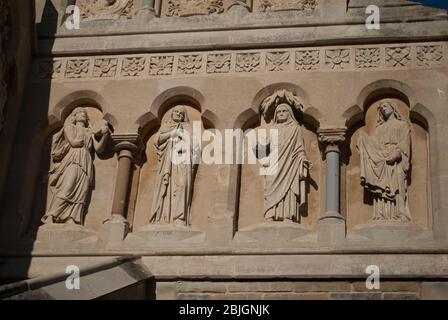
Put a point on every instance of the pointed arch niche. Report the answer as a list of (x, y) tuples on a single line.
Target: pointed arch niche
[(357, 205), (147, 166), (251, 224)]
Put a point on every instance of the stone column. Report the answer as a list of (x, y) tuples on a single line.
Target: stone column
[(116, 227), (332, 224), (148, 8)]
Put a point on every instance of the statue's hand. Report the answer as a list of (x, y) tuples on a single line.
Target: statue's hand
[(308, 164), (394, 158)]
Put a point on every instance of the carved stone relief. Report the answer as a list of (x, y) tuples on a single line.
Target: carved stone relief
[(364, 198), (281, 5), (174, 181), (285, 189), (185, 8), (105, 9), (385, 164), (354, 58), (71, 176)]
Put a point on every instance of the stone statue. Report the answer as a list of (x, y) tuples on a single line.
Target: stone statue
[(385, 163), (174, 181), (285, 189), (72, 173)]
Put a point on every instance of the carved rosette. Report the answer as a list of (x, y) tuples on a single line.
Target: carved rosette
[(4, 34), (332, 138), (185, 8), (288, 5), (105, 9)]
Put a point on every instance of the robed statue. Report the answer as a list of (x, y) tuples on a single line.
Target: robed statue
[(176, 169), (285, 189), (385, 163), (71, 177)]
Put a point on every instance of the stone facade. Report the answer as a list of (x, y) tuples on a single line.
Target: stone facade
[(361, 116)]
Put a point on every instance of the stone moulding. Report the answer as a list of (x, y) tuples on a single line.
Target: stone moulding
[(328, 59)]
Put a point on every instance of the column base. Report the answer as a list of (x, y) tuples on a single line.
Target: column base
[(331, 228), (114, 230)]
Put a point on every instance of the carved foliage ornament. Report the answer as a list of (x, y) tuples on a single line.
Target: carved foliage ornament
[(279, 97), (105, 9), (282, 5), (185, 8), (277, 61), (133, 67)]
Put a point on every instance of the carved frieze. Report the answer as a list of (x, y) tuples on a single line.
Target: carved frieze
[(398, 56), (286, 5), (367, 58), (428, 55), (105, 9), (185, 8), (277, 61), (218, 63), (133, 66)]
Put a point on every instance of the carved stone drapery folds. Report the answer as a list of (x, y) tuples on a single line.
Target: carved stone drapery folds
[(385, 164), (106, 9), (176, 152), (286, 5), (4, 33), (285, 185), (71, 177), (185, 8)]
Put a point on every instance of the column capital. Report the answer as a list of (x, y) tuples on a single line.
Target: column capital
[(130, 143), (332, 138)]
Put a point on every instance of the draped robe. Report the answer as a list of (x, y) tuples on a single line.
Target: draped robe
[(388, 182), (173, 188), (71, 176), (285, 191)]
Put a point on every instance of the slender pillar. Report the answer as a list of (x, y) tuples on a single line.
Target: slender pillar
[(148, 8), (116, 227), (332, 223)]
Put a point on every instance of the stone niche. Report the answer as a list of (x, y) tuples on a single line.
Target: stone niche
[(252, 225), (144, 184), (98, 204), (357, 203)]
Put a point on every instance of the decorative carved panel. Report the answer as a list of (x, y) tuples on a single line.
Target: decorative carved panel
[(185, 8), (287, 5)]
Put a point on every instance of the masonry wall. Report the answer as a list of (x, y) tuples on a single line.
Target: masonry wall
[(130, 68)]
